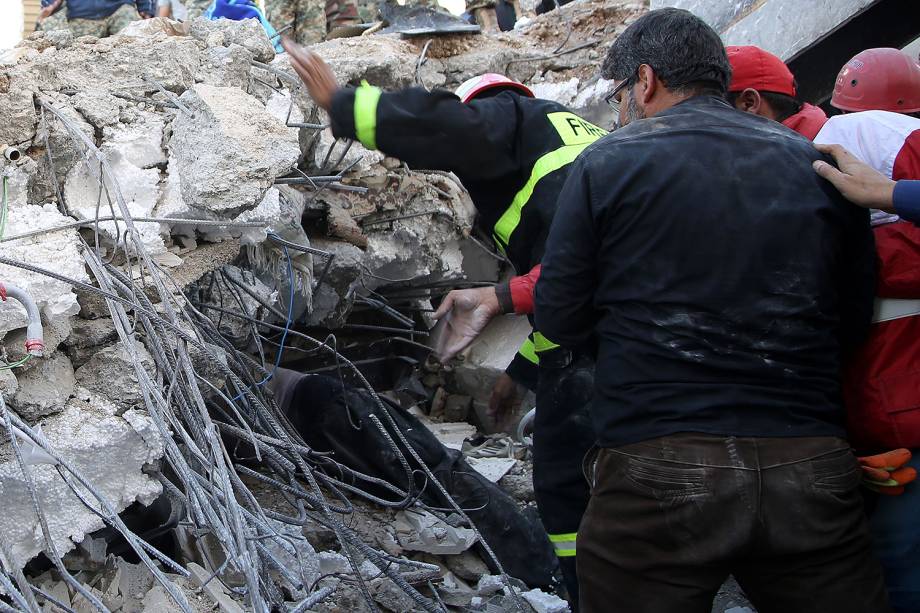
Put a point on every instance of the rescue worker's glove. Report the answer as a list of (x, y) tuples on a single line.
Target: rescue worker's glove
[(886, 473), (463, 314)]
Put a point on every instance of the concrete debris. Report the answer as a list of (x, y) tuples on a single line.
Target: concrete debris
[(105, 447), (215, 591), (229, 150), (545, 603), (186, 124), (422, 531), (492, 469), (44, 389), (111, 372)]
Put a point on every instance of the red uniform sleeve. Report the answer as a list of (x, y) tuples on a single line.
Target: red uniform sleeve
[(907, 162), (898, 248), (522, 291)]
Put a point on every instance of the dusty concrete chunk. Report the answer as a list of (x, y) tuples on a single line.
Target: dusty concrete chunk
[(214, 589), (111, 372), (17, 110), (247, 33), (105, 448), (545, 603), (58, 252), (231, 151), (44, 389)]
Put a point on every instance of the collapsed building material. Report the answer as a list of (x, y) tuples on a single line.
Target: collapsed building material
[(342, 420), (183, 222)]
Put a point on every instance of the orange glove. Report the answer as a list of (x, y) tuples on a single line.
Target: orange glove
[(885, 473)]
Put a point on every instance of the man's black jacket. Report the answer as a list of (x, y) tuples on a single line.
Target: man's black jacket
[(723, 277), (511, 152)]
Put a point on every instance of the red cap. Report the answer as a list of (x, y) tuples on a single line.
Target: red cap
[(754, 68)]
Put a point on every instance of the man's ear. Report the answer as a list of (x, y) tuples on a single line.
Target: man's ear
[(749, 101), (647, 84)]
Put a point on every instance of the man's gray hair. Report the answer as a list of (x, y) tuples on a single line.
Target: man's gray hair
[(685, 53)]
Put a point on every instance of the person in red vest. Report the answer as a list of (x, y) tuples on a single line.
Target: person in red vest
[(878, 91)]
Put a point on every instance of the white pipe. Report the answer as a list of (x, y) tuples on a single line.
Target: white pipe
[(35, 336), (12, 154)]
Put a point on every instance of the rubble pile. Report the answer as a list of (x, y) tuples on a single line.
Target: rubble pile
[(169, 192)]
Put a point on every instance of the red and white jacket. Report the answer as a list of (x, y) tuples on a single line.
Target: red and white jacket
[(888, 142), (881, 382)]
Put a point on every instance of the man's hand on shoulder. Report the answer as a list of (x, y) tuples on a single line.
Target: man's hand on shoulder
[(858, 182)]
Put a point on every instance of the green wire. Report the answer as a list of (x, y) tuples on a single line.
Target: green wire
[(3, 211), (16, 364)]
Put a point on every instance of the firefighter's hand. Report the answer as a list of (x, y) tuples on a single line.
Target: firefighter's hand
[(314, 72), (48, 11), (886, 473), (505, 399), (858, 182), (464, 314)]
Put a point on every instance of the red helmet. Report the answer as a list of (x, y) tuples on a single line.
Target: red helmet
[(878, 80), (471, 88)]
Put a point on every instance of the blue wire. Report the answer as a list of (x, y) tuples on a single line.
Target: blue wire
[(287, 324)]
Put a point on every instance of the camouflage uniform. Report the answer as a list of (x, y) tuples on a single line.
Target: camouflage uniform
[(196, 8), (113, 24), (306, 15), (58, 21), (341, 13)]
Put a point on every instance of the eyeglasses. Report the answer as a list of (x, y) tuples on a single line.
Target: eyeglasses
[(611, 98)]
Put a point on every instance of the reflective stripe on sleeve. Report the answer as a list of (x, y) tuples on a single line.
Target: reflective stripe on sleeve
[(541, 343), (529, 352), (564, 544), (366, 99)]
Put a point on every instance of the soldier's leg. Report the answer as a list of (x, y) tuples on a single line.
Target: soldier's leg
[(196, 8), (119, 20), (58, 21), (282, 13), (310, 23), (341, 13)]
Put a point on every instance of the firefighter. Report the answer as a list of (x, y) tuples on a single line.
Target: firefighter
[(512, 152)]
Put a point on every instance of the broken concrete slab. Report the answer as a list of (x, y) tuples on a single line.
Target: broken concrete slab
[(43, 389), (108, 450), (140, 142), (247, 33), (214, 589), (422, 531), (110, 372), (230, 151), (58, 251), (545, 603)]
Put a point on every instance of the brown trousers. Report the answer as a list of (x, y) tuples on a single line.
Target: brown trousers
[(670, 518)]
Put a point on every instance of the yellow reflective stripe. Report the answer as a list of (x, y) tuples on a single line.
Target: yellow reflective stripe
[(552, 161), (366, 99), (564, 544), (541, 343), (529, 352)]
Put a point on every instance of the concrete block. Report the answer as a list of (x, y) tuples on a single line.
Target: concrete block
[(230, 152), (107, 449), (43, 389)]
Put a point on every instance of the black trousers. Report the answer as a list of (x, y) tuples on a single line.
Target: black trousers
[(670, 518), (562, 435)]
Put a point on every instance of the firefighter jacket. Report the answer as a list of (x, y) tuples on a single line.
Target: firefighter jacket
[(511, 152)]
